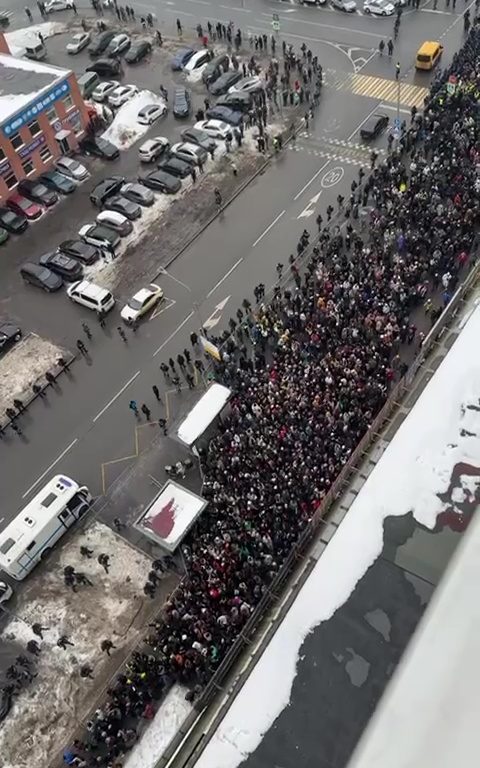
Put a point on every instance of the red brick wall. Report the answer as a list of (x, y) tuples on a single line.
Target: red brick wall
[(3, 44)]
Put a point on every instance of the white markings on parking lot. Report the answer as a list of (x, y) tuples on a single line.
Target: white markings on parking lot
[(39, 479), (227, 274), (162, 307), (216, 315), (174, 333), (311, 180), (267, 230), (120, 391)]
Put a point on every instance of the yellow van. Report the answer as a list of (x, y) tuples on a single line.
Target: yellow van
[(428, 55)]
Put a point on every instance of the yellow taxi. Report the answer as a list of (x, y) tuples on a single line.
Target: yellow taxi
[(428, 55)]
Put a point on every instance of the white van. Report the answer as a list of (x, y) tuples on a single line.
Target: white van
[(90, 295)]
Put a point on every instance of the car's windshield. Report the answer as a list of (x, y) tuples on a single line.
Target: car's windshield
[(24, 203), (135, 304), (8, 217)]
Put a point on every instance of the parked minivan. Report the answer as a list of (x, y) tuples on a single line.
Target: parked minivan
[(428, 55), (91, 295), (87, 83), (36, 50)]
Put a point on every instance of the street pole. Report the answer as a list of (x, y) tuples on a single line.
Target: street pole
[(397, 122), (195, 305)]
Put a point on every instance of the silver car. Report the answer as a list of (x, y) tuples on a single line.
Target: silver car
[(71, 168), (348, 6)]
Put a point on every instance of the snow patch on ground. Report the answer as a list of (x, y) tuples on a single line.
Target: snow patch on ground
[(161, 730), (23, 365), (20, 38), (195, 76), (125, 129), (415, 468)]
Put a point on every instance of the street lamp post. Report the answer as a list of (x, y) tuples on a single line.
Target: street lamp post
[(397, 119), (195, 305)]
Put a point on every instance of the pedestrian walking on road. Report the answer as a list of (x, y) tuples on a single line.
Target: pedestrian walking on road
[(101, 318), (82, 579), (19, 405), (81, 347), (179, 27), (162, 423), (187, 356), (165, 370), (106, 646), (193, 339), (171, 363), (86, 671), (146, 411), (38, 629), (62, 363), (63, 641), (181, 361), (190, 380), (176, 384), (33, 647), (118, 525), (104, 561), (29, 14), (16, 429), (87, 331), (156, 392), (133, 407), (122, 334), (86, 552), (37, 390), (390, 47)]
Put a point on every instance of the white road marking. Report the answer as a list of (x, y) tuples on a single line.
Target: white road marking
[(326, 26), (162, 307), (212, 290), (372, 112), (216, 315), (174, 333), (1, 520), (311, 180), (393, 108), (39, 479), (268, 229), (200, 2), (232, 8), (110, 402)]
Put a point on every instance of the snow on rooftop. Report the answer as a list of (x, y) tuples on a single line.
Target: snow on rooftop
[(125, 129), (203, 413), (13, 97), (426, 458)]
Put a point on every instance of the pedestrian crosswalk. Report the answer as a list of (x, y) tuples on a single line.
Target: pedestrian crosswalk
[(385, 90), (339, 150)]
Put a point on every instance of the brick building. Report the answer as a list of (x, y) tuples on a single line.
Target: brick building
[(42, 116)]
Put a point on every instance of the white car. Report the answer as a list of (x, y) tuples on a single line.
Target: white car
[(103, 90), (99, 236), (247, 85), (192, 153), (150, 113), (142, 302), (122, 94), (78, 42), (5, 592), (58, 5), (379, 7), (71, 168), (153, 148), (216, 129), (118, 45), (349, 6), (116, 221), (197, 60)]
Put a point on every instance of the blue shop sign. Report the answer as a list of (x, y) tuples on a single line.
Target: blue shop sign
[(36, 108), (29, 148)]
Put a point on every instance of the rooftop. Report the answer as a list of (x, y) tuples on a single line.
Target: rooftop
[(22, 80)]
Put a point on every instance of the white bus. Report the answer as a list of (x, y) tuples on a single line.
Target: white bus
[(31, 535)]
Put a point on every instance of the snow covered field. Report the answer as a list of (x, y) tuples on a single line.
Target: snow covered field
[(125, 129), (47, 712), (25, 363), (431, 466), (20, 38)]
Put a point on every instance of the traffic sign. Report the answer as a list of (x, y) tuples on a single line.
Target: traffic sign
[(276, 26), (397, 123), (275, 17), (451, 85), (396, 133)]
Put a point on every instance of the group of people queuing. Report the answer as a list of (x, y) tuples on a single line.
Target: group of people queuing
[(309, 370)]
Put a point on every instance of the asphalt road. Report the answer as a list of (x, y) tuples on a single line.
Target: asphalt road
[(88, 422)]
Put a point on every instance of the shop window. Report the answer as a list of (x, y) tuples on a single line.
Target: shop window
[(10, 180), (45, 155), (16, 141), (76, 123), (34, 128), (51, 114), (2, 155), (67, 102), (27, 166)]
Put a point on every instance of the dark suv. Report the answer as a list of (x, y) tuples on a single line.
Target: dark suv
[(181, 102), (9, 334), (107, 188)]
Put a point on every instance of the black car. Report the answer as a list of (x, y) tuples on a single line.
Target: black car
[(161, 181), (62, 265), (9, 334), (124, 206), (58, 182), (41, 277), (105, 67), (215, 67), (202, 139), (37, 192), (12, 221), (95, 145), (225, 114), (241, 102), (224, 82), (182, 103), (138, 51), (77, 249), (107, 188), (137, 193), (374, 126), (101, 42), (175, 167)]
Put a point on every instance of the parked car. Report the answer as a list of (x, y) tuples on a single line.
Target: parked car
[(175, 167), (137, 193), (161, 181), (13, 222), (225, 114), (153, 148), (374, 126), (215, 67), (313, 2), (379, 7), (101, 42), (41, 277), (182, 102), (138, 51), (239, 102), (105, 67), (3, 235), (71, 168), (144, 300), (9, 335), (99, 236), (79, 250), (78, 42), (151, 112), (116, 221), (196, 136), (348, 6), (118, 44), (105, 189), (103, 90), (198, 59), (223, 83), (90, 295), (95, 145), (6, 592), (251, 84), (58, 5), (181, 57), (37, 192), (216, 129), (122, 94), (58, 182), (190, 153), (69, 269), (124, 206), (24, 207)]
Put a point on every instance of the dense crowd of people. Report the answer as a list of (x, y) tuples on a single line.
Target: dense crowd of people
[(309, 371)]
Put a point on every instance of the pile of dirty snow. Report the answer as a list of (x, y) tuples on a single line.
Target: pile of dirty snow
[(19, 39), (125, 129)]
